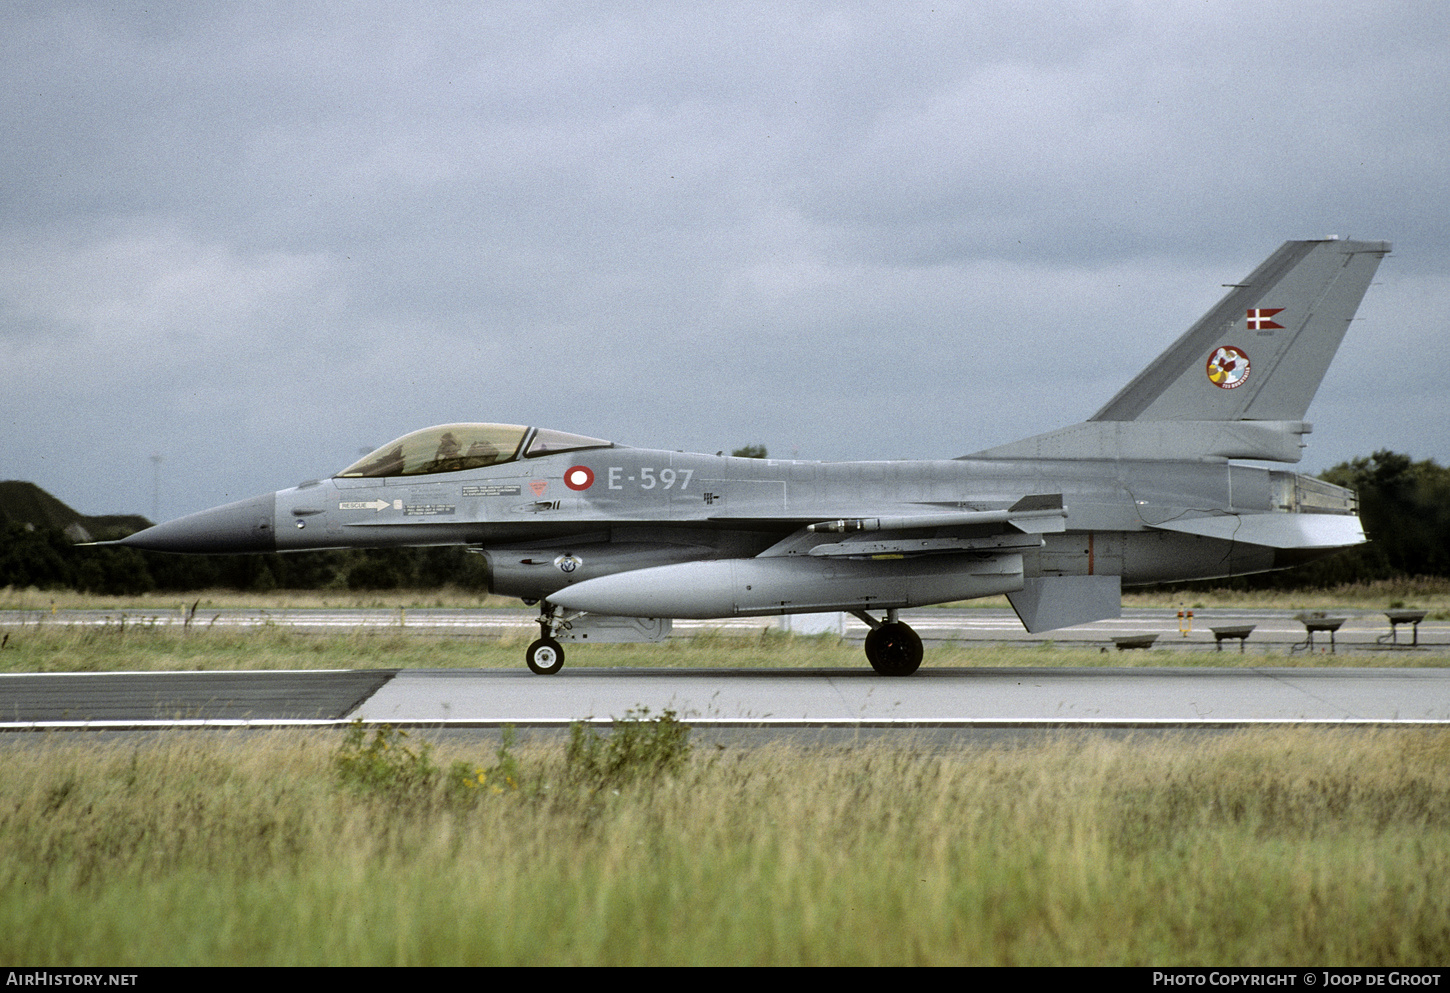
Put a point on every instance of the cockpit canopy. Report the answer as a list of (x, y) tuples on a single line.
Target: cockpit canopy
[(455, 447)]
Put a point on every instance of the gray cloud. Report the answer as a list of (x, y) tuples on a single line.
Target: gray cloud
[(256, 239)]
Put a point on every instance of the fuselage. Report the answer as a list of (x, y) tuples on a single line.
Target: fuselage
[(610, 509)]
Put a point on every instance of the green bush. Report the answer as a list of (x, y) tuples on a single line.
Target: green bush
[(385, 765), (466, 780), (639, 747)]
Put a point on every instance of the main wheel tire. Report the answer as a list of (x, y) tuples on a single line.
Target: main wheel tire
[(894, 649), (545, 657)]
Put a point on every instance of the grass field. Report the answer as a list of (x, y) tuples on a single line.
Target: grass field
[(1263, 847), (138, 648), (1425, 592)]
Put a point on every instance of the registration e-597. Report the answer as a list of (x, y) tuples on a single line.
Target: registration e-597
[(648, 477)]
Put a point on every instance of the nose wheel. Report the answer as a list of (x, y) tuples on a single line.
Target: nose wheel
[(545, 657)]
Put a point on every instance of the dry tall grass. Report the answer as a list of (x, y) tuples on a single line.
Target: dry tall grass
[(1262, 847)]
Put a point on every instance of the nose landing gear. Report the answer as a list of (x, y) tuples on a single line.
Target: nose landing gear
[(545, 656)]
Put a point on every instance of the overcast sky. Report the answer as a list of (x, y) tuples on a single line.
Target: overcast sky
[(255, 239)]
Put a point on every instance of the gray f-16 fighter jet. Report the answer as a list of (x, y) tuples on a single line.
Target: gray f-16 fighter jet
[(613, 542)]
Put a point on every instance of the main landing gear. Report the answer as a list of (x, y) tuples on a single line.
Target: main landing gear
[(892, 647), (545, 656)]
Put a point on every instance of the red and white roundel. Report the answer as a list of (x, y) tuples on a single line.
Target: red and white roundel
[(579, 477), (1228, 367)]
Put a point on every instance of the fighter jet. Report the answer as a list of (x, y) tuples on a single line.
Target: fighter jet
[(614, 542)]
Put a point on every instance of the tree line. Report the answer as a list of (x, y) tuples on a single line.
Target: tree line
[(46, 558), (1405, 508), (1404, 504)]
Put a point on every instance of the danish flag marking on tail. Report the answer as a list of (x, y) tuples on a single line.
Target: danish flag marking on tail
[(1259, 318)]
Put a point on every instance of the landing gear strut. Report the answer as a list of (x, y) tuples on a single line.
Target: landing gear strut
[(545, 656), (892, 647)]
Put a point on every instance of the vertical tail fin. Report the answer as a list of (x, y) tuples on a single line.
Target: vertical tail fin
[(1238, 383), (1262, 352)]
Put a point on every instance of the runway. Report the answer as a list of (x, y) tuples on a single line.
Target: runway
[(941, 698)]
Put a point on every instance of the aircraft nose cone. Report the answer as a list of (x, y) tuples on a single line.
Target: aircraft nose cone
[(244, 526)]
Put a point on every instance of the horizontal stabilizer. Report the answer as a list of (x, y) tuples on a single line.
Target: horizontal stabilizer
[(1277, 530), (1047, 603)]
